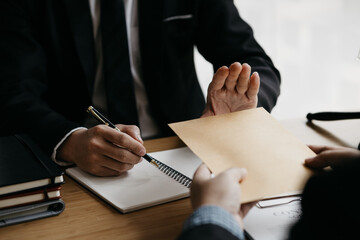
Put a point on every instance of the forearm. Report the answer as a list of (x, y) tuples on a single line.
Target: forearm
[(26, 111), (43, 125)]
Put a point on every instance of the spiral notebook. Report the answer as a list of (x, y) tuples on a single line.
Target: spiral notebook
[(145, 185)]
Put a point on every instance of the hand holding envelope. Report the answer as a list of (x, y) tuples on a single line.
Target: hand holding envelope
[(254, 140)]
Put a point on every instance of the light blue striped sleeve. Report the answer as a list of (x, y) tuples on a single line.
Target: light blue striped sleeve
[(211, 214)]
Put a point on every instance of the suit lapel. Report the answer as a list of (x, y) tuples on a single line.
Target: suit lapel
[(81, 25)]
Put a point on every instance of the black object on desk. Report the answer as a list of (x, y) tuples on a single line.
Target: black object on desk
[(333, 116)]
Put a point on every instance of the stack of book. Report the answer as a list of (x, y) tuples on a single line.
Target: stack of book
[(30, 182)]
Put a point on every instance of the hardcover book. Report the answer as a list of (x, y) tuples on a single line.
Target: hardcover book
[(23, 166)]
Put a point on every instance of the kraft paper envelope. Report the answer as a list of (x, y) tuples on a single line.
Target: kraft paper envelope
[(254, 140)]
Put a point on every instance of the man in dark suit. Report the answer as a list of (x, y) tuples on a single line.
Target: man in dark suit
[(57, 57), (329, 205)]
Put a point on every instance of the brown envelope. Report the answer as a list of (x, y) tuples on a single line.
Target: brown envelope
[(254, 140)]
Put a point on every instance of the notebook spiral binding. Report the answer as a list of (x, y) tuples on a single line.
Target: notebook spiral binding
[(179, 177)]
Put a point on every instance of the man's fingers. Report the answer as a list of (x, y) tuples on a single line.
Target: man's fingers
[(104, 165), (318, 149), (100, 165), (243, 81), (115, 165), (245, 208), (232, 78), (326, 156), (104, 143), (124, 140), (202, 173), (219, 79), (120, 154), (319, 161), (131, 130), (254, 86)]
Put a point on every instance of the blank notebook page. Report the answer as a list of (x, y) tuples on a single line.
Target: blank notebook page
[(144, 185)]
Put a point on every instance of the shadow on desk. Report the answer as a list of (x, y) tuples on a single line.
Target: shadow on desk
[(327, 134)]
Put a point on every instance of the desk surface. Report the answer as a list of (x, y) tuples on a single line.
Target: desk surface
[(87, 217)]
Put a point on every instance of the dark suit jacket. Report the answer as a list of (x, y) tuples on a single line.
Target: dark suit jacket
[(330, 205), (207, 232), (47, 62)]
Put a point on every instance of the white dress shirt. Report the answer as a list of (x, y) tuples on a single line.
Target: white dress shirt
[(147, 124)]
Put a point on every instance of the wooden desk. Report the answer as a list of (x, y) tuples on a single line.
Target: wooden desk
[(88, 217)]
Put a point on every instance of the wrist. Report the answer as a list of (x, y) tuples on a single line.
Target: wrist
[(65, 150)]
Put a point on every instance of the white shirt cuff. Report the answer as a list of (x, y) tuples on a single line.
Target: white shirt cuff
[(53, 155)]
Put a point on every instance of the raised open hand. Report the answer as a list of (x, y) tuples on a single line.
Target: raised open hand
[(232, 89)]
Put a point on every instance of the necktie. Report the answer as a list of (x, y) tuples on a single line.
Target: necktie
[(116, 66)]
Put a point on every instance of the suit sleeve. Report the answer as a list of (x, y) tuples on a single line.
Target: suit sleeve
[(23, 81), (208, 232), (211, 222), (223, 37)]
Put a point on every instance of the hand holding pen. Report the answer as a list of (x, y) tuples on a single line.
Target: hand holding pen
[(95, 150), (102, 119)]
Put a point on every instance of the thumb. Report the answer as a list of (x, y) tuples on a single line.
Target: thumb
[(238, 174), (202, 173)]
